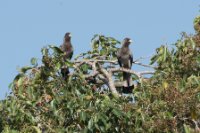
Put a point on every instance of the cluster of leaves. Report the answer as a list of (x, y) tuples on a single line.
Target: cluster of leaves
[(102, 48), (182, 62), (172, 95), (41, 101)]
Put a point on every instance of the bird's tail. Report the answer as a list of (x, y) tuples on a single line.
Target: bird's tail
[(127, 78), (65, 72)]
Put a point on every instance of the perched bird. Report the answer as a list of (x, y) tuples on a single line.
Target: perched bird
[(125, 59), (67, 48)]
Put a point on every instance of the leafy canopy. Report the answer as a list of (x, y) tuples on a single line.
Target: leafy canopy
[(169, 101)]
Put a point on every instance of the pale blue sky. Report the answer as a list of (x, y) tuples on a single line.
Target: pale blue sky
[(27, 26)]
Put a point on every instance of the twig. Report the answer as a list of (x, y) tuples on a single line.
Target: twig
[(146, 72), (138, 63), (142, 58)]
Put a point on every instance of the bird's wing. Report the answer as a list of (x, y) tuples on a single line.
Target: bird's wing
[(63, 48), (119, 57), (131, 58), (71, 54)]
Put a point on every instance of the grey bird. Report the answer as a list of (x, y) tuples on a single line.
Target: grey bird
[(67, 48), (125, 59)]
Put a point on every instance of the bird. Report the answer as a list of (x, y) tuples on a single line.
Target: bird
[(67, 47), (68, 50), (125, 59)]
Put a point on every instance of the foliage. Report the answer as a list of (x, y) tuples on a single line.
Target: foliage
[(197, 24), (169, 101), (182, 62)]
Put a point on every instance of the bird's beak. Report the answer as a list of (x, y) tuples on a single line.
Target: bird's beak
[(130, 41), (70, 35)]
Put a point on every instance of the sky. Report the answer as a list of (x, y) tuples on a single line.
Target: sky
[(27, 26)]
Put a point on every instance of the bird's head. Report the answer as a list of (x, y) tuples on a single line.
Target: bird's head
[(127, 41), (68, 36)]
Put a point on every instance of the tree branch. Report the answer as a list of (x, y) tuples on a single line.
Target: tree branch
[(111, 84), (115, 62), (105, 75)]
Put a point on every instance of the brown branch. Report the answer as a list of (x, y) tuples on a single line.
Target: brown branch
[(105, 75), (108, 76), (95, 72)]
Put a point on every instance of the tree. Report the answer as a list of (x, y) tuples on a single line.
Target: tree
[(90, 99)]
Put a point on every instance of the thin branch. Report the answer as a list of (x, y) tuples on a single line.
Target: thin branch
[(138, 63), (138, 74), (115, 62), (92, 64), (97, 60), (141, 58), (146, 72)]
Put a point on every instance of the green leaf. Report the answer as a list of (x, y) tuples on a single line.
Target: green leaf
[(95, 45), (103, 52), (187, 129), (10, 86), (117, 113), (56, 49), (58, 66), (90, 124), (135, 77), (83, 116), (85, 68), (25, 69), (192, 43), (153, 59), (34, 62), (20, 81), (36, 129), (165, 53), (44, 51), (68, 63), (52, 104)]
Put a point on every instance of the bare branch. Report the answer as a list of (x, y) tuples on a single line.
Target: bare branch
[(138, 74), (115, 62), (146, 72), (105, 75), (141, 58), (95, 72), (111, 84), (96, 60), (138, 63)]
